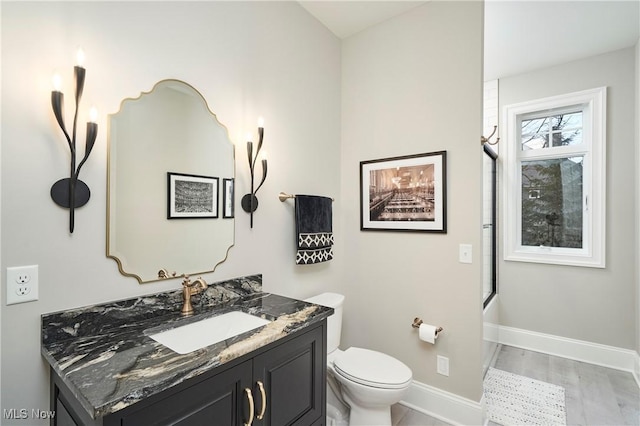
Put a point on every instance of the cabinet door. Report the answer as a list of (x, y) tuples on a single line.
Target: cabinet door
[(294, 378), (62, 417), (219, 400)]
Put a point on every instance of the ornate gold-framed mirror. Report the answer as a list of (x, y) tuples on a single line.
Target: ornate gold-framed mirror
[(167, 152)]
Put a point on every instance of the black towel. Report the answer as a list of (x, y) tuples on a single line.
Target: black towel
[(313, 229)]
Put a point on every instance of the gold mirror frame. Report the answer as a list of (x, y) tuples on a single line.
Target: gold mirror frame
[(169, 129)]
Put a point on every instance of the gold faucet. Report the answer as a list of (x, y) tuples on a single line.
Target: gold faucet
[(189, 289)]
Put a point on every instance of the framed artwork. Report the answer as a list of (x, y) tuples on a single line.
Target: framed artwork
[(227, 198), (406, 193), (191, 196)]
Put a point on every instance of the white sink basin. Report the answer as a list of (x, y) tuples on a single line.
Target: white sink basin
[(191, 337)]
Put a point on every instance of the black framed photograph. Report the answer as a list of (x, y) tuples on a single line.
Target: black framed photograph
[(191, 196), (407, 193), (227, 198)]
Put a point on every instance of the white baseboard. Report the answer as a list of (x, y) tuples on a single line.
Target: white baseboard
[(579, 350), (443, 405), (457, 410)]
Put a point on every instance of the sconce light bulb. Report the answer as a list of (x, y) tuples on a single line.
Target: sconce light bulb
[(93, 114), (57, 82), (263, 155), (80, 57), (260, 122), (248, 137)]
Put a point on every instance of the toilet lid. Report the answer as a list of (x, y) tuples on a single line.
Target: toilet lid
[(372, 368)]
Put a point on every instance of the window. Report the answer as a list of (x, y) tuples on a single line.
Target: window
[(554, 165)]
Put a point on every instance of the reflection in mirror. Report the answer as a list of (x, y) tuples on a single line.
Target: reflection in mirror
[(169, 130)]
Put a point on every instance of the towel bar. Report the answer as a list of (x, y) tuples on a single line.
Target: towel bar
[(284, 196)]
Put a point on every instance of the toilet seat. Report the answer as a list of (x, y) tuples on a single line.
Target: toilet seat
[(371, 368)]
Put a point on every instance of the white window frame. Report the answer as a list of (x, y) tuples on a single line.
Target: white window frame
[(593, 148)]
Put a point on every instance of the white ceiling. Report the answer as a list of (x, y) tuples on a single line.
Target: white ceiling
[(520, 35), (524, 35), (347, 17)]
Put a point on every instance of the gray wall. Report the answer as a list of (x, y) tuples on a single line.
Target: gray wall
[(327, 105), (638, 205), (595, 305), (413, 85), (247, 59)]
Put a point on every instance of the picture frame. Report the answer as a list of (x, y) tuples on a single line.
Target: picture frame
[(228, 198), (191, 196), (407, 193)]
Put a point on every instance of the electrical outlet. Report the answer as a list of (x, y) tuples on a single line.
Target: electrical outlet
[(22, 284), (443, 365)]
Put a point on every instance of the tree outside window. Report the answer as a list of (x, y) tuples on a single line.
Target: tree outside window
[(552, 189)]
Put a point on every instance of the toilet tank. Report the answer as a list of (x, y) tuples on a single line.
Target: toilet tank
[(334, 322)]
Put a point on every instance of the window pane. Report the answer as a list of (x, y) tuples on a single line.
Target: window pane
[(567, 121), (536, 125), (552, 202), (571, 137), (560, 129), (536, 141)]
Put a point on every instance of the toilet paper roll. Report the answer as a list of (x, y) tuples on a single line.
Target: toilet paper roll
[(428, 333)]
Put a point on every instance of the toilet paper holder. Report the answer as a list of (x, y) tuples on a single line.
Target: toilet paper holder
[(416, 324)]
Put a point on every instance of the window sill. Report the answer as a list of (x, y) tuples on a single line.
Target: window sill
[(556, 259)]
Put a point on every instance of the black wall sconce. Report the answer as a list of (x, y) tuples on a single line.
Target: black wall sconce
[(249, 202), (71, 192)]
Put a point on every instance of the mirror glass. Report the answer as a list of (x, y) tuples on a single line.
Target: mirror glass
[(170, 174)]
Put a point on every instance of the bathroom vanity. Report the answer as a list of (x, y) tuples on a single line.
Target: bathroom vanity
[(107, 369)]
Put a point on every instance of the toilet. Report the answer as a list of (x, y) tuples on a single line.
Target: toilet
[(361, 384)]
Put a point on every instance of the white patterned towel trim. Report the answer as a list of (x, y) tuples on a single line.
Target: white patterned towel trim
[(306, 257), (315, 240)]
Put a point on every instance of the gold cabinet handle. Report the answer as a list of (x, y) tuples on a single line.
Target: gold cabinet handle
[(251, 407), (263, 394)]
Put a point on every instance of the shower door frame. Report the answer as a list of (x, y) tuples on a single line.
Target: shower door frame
[(494, 250)]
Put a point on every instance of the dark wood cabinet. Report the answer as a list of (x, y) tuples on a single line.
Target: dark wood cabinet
[(217, 398), (294, 378), (281, 384)]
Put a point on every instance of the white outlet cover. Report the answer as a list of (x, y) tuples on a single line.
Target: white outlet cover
[(466, 253), (443, 365), (22, 284)]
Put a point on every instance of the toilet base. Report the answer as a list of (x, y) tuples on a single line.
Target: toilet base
[(379, 416), (337, 412), (367, 415), (335, 417)]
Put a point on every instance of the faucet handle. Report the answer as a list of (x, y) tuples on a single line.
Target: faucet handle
[(188, 290), (186, 282)]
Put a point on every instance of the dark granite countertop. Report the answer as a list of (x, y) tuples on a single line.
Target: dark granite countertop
[(103, 352)]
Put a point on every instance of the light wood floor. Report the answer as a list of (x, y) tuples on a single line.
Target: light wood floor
[(595, 396)]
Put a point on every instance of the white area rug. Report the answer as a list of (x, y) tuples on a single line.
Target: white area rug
[(514, 400)]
